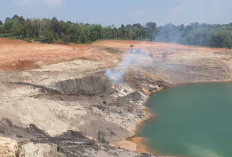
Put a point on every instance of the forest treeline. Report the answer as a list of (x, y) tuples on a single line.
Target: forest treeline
[(53, 30)]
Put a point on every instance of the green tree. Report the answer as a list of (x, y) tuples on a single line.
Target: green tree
[(53, 30), (222, 38), (150, 30), (55, 27), (47, 37), (1, 28), (122, 32), (8, 26)]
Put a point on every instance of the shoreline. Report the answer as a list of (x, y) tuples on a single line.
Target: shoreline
[(113, 115), (137, 144)]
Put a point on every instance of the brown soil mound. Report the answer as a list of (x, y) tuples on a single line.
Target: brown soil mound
[(18, 55)]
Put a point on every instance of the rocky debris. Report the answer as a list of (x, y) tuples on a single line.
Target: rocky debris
[(39, 150), (102, 113), (8, 147), (83, 114), (195, 70), (90, 85), (43, 89), (75, 110), (39, 144), (76, 65)]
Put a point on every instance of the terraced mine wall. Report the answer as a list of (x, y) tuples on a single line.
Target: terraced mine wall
[(67, 111)]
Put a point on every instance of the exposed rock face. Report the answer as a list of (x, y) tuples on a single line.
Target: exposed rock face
[(194, 70), (8, 147), (90, 85), (75, 112), (98, 112), (39, 150), (69, 144)]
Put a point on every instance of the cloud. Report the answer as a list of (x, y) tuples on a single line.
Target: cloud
[(54, 2), (24, 2), (47, 2), (176, 12)]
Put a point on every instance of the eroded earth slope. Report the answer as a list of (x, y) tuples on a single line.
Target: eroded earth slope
[(55, 100)]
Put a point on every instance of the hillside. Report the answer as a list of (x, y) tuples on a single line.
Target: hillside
[(57, 99)]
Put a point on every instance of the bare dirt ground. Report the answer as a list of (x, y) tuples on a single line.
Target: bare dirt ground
[(18, 55), (56, 99)]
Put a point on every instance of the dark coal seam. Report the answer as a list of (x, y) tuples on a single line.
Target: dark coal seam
[(45, 89)]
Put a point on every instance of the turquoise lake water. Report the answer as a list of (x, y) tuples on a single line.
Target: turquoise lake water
[(191, 121)]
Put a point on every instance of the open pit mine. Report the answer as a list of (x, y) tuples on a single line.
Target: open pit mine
[(88, 100)]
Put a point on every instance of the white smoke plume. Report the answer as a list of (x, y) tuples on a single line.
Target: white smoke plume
[(133, 57)]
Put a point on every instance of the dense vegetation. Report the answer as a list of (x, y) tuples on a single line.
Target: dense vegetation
[(53, 30), (213, 35)]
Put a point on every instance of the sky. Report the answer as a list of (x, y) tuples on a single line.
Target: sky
[(117, 12)]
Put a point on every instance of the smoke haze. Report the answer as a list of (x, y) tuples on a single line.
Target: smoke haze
[(133, 57)]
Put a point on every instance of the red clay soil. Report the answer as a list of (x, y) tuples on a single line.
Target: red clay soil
[(17, 55)]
